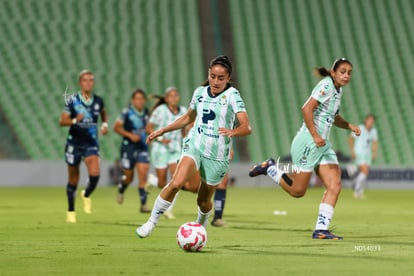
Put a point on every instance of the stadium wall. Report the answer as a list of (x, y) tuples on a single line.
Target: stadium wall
[(52, 173)]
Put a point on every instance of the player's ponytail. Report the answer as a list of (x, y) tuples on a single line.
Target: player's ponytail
[(161, 99), (323, 72)]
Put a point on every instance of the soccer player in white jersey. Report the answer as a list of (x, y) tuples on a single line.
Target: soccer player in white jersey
[(166, 149), (214, 108), (364, 150), (311, 148)]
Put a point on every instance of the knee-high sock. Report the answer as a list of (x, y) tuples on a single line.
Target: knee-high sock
[(142, 196), (325, 215), (70, 193), (160, 205), (359, 183), (202, 218), (219, 201), (92, 183)]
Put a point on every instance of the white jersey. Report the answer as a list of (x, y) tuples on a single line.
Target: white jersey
[(161, 117), (329, 99), (214, 112), (363, 142)]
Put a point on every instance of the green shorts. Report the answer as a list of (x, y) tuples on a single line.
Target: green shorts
[(161, 160), (306, 156), (211, 171), (363, 159)]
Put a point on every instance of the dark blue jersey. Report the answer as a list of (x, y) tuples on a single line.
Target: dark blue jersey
[(85, 132), (135, 122)]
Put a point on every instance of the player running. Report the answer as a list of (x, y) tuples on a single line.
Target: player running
[(131, 126), (166, 149), (81, 115), (311, 148), (364, 150), (214, 108)]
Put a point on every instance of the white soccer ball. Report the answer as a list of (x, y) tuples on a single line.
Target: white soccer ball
[(191, 237)]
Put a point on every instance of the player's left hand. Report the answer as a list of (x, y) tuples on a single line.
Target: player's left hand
[(104, 129), (355, 129), (226, 132)]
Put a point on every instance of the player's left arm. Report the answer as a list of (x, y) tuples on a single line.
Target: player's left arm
[(374, 149), (242, 130), (342, 123), (104, 117)]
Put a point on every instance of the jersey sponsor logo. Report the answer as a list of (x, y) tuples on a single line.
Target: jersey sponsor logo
[(208, 115), (96, 106), (199, 99), (240, 104)]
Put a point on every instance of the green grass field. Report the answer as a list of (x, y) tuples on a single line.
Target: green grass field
[(35, 240)]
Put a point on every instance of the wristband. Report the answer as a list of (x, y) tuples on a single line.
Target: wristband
[(104, 125), (74, 121)]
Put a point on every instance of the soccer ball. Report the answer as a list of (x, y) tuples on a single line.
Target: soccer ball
[(191, 237)]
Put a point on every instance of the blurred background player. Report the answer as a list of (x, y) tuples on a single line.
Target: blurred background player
[(311, 149), (81, 115), (131, 125), (115, 173), (214, 108), (166, 149), (364, 151)]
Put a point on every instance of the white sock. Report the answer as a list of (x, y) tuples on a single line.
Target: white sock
[(359, 183), (326, 212), (202, 218), (274, 173), (173, 203), (160, 205)]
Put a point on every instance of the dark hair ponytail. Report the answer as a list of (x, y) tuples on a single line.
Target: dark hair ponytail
[(223, 61), (323, 72), (159, 101)]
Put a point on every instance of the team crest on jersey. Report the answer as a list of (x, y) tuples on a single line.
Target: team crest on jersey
[(303, 161), (322, 93), (96, 106), (223, 100)]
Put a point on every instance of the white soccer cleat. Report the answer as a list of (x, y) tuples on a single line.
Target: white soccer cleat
[(145, 229), (87, 203)]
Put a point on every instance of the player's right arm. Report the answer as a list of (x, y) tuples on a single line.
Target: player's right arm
[(181, 122), (119, 128), (66, 120), (307, 112)]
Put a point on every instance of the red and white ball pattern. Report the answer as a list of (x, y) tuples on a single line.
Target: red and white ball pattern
[(191, 237)]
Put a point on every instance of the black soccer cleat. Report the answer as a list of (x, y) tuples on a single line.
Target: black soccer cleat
[(261, 168)]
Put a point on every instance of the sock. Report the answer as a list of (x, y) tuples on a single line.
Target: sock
[(202, 218), (359, 183), (142, 196), (92, 183), (219, 201), (71, 193), (160, 205), (274, 173), (173, 203), (326, 212), (122, 187)]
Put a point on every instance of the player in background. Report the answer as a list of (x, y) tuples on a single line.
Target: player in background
[(311, 148), (214, 108), (81, 114), (166, 149), (364, 151), (131, 125)]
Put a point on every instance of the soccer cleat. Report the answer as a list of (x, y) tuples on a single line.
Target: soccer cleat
[(87, 203), (120, 198), (325, 235), (145, 209), (359, 195), (71, 217), (145, 229), (218, 222), (169, 214), (261, 168)]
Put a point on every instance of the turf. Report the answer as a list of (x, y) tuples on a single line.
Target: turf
[(35, 240)]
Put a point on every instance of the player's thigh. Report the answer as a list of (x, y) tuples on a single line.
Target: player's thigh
[(193, 184), (92, 163), (186, 168), (224, 182), (300, 183)]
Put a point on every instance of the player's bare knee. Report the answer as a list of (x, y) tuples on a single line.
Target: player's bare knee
[(334, 188), (297, 194)]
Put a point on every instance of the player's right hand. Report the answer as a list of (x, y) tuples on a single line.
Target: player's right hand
[(134, 138), (319, 141), (79, 117)]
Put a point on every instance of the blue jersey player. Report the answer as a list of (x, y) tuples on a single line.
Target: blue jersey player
[(134, 151), (81, 114)]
